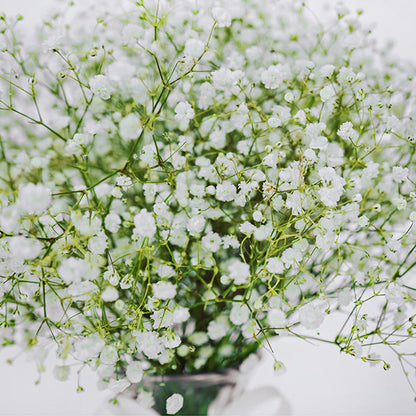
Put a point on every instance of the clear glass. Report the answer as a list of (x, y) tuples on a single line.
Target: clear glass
[(246, 391), (198, 390)]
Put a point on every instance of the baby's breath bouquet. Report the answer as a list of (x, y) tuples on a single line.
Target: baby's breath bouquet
[(181, 180)]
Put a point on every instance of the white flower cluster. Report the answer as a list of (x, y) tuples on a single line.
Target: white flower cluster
[(189, 179)]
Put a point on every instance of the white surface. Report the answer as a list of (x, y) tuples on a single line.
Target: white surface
[(20, 396), (318, 381), (321, 381), (392, 21)]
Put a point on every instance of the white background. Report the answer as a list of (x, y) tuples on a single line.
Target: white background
[(318, 381)]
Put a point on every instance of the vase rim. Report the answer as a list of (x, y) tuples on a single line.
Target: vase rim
[(229, 376)]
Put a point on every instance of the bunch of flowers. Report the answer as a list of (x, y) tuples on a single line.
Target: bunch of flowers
[(181, 181)]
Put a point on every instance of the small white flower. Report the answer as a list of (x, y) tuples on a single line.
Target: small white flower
[(333, 186), (310, 156), (326, 93), (112, 276), (291, 256), (363, 221), (195, 225), (98, 244), (103, 189), (274, 122), (184, 112), (230, 241), (9, 219), (145, 225), (100, 85), (149, 156), (85, 224), (212, 242), (116, 192), (165, 271), (400, 203), (162, 318), (171, 340), (123, 181), (174, 403), (83, 139), (263, 232), (198, 338), (289, 97), (112, 222), (239, 272), (73, 270), (329, 196), (327, 70), (371, 171), (73, 148), (239, 314), (197, 190), (218, 329), (274, 265), (194, 48), (24, 248), (61, 372), (152, 303), (34, 199), (226, 191), (346, 76), (395, 294), (211, 190), (300, 116), (278, 203), (279, 368), (276, 318), (274, 76), (258, 216), (109, 355), (399, 174), (118, 386), (110, 294), (247, 228), (394, 245), (164, 290), (296, 202), (221, 16), (130, 127), (180, 314), (347, 132), (311, 315), (150, 344)]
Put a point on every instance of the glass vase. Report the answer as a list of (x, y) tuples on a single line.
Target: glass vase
[(225, 393), (247, 391), (198, 390)]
